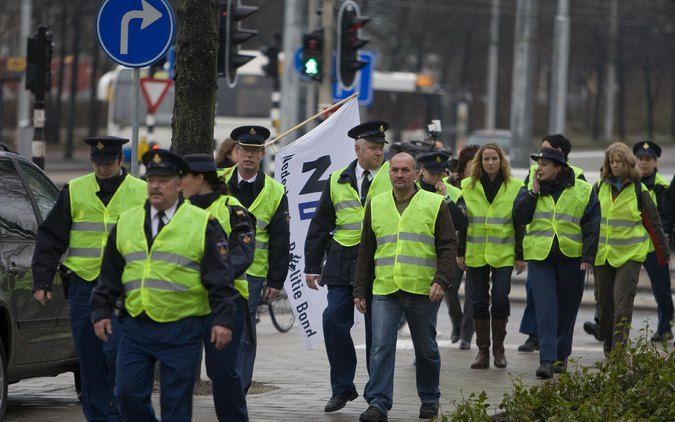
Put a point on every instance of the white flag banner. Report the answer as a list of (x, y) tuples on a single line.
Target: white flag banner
[(303, 167)]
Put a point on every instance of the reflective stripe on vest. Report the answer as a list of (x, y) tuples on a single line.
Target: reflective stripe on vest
[(622, 235), (561, 219), (347, 204), (220, 209), (263, 208), (490, 235), (405, 258), (92, 221), (578, 171), (165, 281)]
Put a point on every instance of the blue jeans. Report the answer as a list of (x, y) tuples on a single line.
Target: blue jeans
[(659, 276), (557, 287), (97, 358), (480, 289), (528, 325), (221, 367), (247, 350), (177, 346), (421, 315)]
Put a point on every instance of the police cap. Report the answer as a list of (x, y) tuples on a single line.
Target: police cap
[(252, 136), (436, 161), (647, 149), (200, 163), (372, 131), (105, 149), (164, 163)]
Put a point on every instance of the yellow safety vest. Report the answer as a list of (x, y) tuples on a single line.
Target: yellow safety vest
[(405, 258), (658, 181), (561, 219), (491, 237), (623, 238), (347, 204), (220, 208), (92, 221), (263, 208), (164, 281)]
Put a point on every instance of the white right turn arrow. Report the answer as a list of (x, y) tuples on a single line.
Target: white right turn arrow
[(149, 15)]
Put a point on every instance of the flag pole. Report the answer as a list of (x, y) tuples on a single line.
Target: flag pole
[(299, 125)]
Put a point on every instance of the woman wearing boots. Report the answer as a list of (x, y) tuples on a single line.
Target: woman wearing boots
[(490, 248), (563, 218), (629, 218)]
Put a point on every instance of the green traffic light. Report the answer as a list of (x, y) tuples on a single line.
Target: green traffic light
[(311, 67)]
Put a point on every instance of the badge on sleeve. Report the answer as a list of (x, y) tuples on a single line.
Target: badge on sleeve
[(221, 245)]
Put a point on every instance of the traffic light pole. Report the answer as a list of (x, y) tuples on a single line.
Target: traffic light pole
[(328, 23), (38, 145)]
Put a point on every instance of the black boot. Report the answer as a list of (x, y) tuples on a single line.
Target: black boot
[(545, 370), (456, 330), (530, 345)]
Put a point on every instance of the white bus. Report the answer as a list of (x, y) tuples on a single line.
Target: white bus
[(248, 103)]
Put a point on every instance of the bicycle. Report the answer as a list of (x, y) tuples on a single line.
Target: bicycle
[(280, 310)]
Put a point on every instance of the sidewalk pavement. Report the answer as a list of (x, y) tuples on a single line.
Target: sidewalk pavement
[(302, 384)]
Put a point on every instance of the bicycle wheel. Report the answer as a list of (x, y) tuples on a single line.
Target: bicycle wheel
[(281, 313)]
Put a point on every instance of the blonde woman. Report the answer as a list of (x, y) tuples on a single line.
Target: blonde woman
[(629, 218), (490, 248)]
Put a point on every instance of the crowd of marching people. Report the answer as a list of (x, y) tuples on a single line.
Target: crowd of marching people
[(158, 270)]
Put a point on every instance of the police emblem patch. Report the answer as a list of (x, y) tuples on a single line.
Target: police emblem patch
[(438, 159), (100, 145), (157, 159), (382, 128), (221, 245), (246, 239), (252, 132), (645, 145)]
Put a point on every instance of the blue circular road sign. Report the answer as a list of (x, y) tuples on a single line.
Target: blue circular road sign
[(135, 33)]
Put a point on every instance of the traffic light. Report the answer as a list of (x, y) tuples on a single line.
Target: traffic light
[(39, 61), (271, 69), (312, 54), (348, 63), (231, 36)]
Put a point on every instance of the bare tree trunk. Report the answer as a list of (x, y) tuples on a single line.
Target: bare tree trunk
[(93, 89), (63, 40), (195, 76), (645, 66), (68, 150), (598, 100), (621, 82), (672, 102)]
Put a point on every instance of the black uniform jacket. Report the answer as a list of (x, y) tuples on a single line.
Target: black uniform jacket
[(279, 231), (242, 237), (669, 209), (340, 260), (53, 235), (459, 218), (216, 274), (526, 203)]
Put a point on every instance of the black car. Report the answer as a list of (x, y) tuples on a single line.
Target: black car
[(35, 340)]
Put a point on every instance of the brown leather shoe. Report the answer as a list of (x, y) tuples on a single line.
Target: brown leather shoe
[(498, 335), (483, 342)]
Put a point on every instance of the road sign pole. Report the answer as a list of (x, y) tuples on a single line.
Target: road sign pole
[(136, 77)]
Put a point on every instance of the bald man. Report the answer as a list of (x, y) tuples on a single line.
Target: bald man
[(407, 255)]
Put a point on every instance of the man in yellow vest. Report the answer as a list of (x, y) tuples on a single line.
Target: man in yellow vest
[(265, 198), (170, 260), (84, 213), (647, 153), (406, 258), (340, 213)]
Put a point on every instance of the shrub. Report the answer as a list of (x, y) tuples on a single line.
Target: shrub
[(635, 383)]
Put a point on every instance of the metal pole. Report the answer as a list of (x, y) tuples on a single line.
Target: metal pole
[(559, 69), (23, 135), (493, 59), (38, 145), (311, 88), (522, 86), (136, 77), (290, 84), (328, 23), (610, 87)]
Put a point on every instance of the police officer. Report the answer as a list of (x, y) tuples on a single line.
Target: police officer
[(406, 257), (84, 212), (647, 154), (528, 325), (433, 172), (562, 214), (264, 197), (340, 213), (205, 190), (171, 262)]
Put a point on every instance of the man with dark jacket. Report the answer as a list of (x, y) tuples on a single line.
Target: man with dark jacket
[(335, 230)]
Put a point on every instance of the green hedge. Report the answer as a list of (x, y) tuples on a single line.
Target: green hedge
[(636, 383)]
